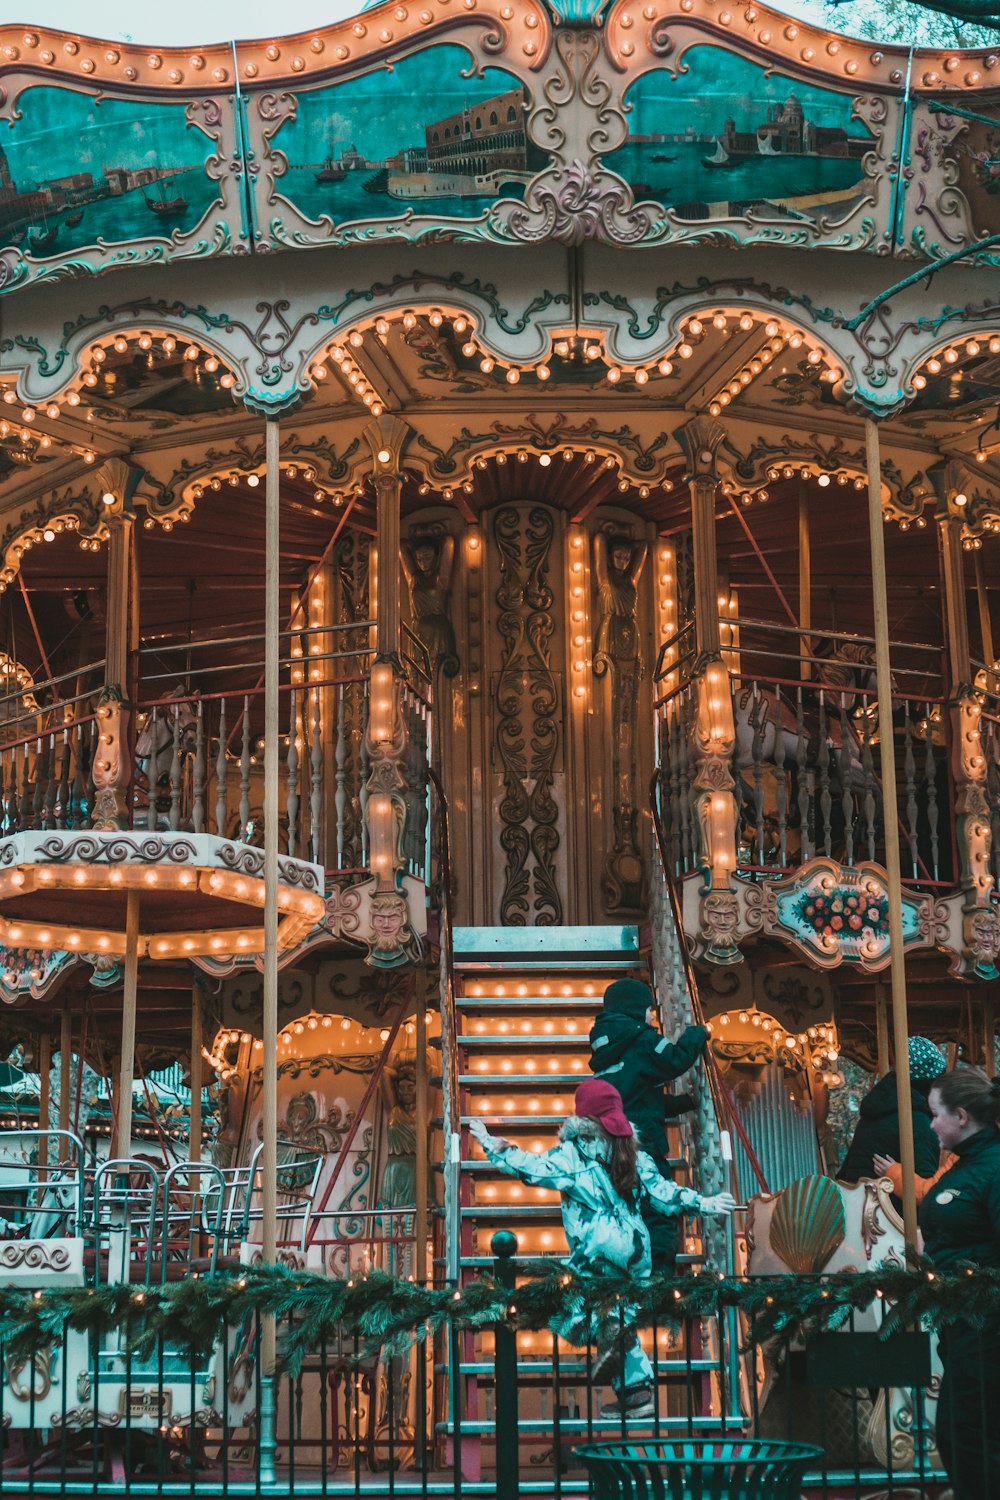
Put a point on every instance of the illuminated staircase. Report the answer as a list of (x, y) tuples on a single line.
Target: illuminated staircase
[(525, 1000)]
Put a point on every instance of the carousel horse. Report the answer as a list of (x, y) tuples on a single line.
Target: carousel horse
[(156, 748), (776, 733), (814, 1226)]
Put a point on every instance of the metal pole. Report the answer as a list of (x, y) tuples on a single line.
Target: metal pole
[(126, 1069), (44, 1095), (504, 1247), (805, 582), (269, 1082), (985, 618), (194, 1124), (882, 1029), (887, 760), (65, 1066), (422, 1124)]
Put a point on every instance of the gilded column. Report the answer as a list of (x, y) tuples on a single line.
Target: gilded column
[(113, 764), (713, 790), (392, 940), (980, 938)]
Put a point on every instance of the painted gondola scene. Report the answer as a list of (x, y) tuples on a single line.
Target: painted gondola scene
[(378, 160), (78, 169), (499, 759), (750, 140)]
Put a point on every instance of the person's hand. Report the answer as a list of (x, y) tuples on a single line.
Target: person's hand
[(720, 1204), (882, 1165), (479, 1131)]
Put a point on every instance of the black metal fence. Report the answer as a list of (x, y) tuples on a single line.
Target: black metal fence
[(493, 1411)]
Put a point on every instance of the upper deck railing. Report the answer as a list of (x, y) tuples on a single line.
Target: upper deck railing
[(806, 749), (195, 743)]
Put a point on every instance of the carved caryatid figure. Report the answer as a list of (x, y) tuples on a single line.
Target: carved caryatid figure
[(618, 565), (427, 563)]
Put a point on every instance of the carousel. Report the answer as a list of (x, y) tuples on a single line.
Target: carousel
[(470, 531)]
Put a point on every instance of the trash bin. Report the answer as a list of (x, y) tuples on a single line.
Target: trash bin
[(698, 1469)]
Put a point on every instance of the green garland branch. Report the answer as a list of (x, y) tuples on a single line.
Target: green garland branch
[(386, 1314)]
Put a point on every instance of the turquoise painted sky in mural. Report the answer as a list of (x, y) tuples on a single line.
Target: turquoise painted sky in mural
[(62, 132), (386, 110), (719, 85)]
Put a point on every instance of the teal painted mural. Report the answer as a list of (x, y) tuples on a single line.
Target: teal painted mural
[(417, 138), (726, 137), (77, 170)]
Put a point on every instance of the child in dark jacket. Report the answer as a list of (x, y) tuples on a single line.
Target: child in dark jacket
[(877, 1130), (604, 1182), (629, 1053)]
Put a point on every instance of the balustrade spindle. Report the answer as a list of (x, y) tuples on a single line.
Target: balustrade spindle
[(198, 778), (803, 777), (930, 791), (62, 799), (78, 809), (220, 774), (292, 762), (868, 779), (245, 772), (844, 761), (910, 778), (780, 786), (363, 789), (95, 740), (152, 814), (758, 714), (24, 812), (175, 773), (51, 784), (38, 790), (316, 784), (823, 762), (10, 793), (340, 758)]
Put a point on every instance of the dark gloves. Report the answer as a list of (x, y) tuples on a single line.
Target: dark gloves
[(677, 1104)]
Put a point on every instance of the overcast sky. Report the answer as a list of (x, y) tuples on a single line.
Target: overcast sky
[(190, 23)]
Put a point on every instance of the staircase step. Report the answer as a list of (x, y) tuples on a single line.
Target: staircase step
[(478, 1262), (546, 1426), (578, 1367), (533, 1002), (473, 1040), (513, 943), (524, 1080)]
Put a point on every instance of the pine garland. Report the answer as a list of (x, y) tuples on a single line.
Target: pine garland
[(386, 1315)]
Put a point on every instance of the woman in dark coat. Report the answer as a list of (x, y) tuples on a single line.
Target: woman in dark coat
[(960, 1222), (877, 1130)]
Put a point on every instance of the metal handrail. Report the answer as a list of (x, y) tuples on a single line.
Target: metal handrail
[(724, 1107), (449, 1035), (152, 647), (811, 630)]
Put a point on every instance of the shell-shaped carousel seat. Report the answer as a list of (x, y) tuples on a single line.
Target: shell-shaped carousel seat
[(809, 1224)]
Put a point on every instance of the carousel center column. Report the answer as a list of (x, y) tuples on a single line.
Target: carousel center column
[(113, 763), (968, 761), (386, 735), (714, 731)]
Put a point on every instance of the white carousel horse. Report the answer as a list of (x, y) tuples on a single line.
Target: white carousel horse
[(818, 1225)]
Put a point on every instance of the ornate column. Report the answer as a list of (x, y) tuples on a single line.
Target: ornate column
[(392, 940), (714, 734), (968, 763), (113, 766)]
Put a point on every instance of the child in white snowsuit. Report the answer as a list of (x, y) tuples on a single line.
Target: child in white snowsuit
[(603, 1179)]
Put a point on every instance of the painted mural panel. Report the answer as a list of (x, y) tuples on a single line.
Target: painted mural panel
[(429, 138), (79, 174), (722, 138), (952, 185)]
